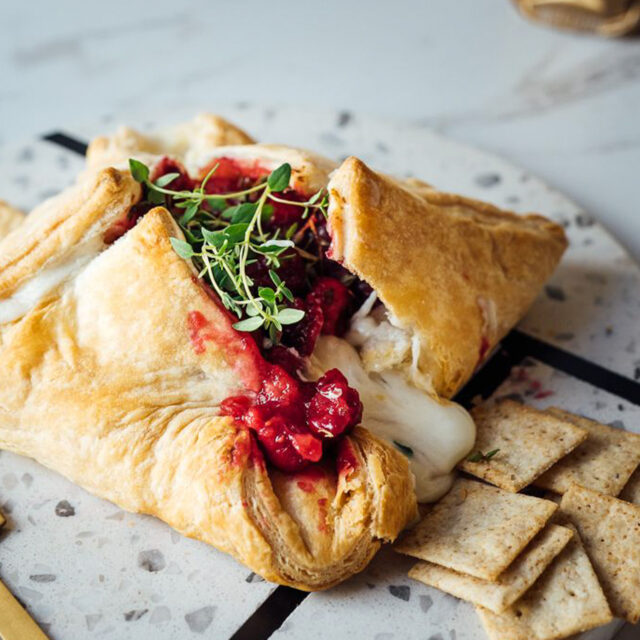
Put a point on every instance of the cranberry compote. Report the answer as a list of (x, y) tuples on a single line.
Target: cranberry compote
[(294, 420)]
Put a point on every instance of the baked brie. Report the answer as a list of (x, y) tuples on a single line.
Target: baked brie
[(254, 345)]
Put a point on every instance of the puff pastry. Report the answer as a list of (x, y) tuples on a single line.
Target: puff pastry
[(10, 218), (102, 383), (204, 132), (455, 273)]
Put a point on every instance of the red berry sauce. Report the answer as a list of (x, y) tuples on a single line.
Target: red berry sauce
[(295, 423), (293, 420)]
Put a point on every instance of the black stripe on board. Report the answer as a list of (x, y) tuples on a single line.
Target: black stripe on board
[(522, 344), (492, 374), (68, 142), (270, 615)]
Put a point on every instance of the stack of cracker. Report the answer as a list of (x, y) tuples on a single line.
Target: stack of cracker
[(538, 569)]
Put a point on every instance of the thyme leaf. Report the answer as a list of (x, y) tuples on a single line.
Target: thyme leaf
[(224, 235), (478, 456)]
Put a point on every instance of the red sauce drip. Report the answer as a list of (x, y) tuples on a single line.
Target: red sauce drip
[(197, 323), (240, 349), (307, 487), (484, 349), (346, 462), (308, 477)]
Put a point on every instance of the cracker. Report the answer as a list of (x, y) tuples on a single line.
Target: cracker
[(567, 599), (631, 491), (511, 584), (603, 462), (477, 529), (528, 442), (610, 531)]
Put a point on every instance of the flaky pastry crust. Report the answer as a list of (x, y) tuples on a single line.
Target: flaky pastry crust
[(10, 218), (206, 131), (455, 272), (100, 381)]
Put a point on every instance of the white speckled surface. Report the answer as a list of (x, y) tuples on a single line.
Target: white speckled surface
[(101, 572), (390, 606)]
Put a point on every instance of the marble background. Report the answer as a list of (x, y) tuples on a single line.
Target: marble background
[(564, 106)]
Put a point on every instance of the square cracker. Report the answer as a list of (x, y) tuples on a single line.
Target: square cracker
[(529, 442), (603, 462), (631, 491), (565, 600), (477, 529), (511, 584), (610, 531)]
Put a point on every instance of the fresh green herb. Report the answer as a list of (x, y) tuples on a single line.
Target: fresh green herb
[(139, 170), (224, 234), (279, 179), (478, 456), (408, 451)]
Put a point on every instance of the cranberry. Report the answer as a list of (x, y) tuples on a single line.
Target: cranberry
[(285, 358), (292, 419), (167, 165), (335, 406), (291, 271), (290, 446), (303, 335), (118, 229), (280, 388), (231, 175), (334, 299), (284, 215)]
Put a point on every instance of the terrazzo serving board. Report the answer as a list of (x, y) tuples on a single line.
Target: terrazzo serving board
[(85, 569)]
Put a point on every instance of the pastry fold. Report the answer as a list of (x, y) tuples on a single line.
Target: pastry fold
[(182, 141), (455, 273), (10, 218), (104, 381)]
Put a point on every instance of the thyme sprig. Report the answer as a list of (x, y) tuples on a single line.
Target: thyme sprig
[(225, 233), (478, 456)]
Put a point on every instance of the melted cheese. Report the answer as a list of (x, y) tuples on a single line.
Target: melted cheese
[(47, 279), (435, 434)]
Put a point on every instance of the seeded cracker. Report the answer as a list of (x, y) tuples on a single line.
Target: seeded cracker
[(610, 531), (511, 584), (603, 462), (631, 491), (567, 599), (527, 441), (477, 529)]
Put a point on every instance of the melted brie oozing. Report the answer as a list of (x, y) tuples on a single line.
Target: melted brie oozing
[(435, 434), (48, 278)]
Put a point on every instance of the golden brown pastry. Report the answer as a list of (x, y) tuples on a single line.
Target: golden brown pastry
[(10, 218), (104, 381), (204, 132), (123, 369), (454, 273)]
